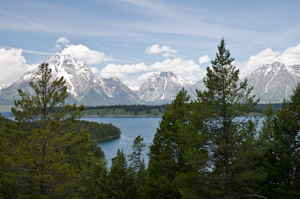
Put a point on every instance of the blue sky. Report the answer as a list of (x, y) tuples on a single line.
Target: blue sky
[(132, 39)]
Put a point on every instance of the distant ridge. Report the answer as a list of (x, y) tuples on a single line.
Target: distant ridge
[(162, 87), (274, 82)]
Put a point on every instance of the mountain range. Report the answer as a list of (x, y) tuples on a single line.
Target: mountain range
[(83, 87), (274, 82), (271, 82)]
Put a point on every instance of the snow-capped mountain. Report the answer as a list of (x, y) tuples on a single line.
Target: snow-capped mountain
[(273, 82), (83, 87), (2, 86), (162, 87)]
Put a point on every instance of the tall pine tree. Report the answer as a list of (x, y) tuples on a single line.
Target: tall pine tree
[(166, 152), (119, 178), (137, 168), (281, 158), (224, 157), (44, 156)]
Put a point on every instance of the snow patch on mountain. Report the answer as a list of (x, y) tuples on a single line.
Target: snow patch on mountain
[(162, 87), (83, 87), (273, 82)]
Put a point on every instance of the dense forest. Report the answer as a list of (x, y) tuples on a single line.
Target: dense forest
[(98, 131), (201, 149)]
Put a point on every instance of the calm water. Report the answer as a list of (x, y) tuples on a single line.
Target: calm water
[(5, 113), (130, 128)]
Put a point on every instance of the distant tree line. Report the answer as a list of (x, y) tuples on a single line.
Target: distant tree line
[(259, 108), (131, 108)]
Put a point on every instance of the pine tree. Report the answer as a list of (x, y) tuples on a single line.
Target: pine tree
[(137, 168), (136, 156), (166, 152), (101, 185), (281, 160), (224, 159), (119, 179), (44, 155)]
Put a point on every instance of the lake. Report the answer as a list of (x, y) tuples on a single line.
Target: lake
[(130, 127)]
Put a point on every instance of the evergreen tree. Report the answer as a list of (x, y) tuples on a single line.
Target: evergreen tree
[(136, 156), (166, 152), (281, 160), (224, 159), (43, 155), (268, 161), (137, 168), (119, 179), (101, 186)]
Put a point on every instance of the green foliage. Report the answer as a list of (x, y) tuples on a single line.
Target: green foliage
[(98, 131), (281, 159), (97, 151), (149, 110), (101, 184), (166, 152), (119, 179), (137, 170), (43, 155), (223, 149), (136, 156)]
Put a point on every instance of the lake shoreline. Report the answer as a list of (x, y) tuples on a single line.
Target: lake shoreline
[(121, 116)]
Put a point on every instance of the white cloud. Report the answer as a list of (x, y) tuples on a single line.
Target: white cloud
[(131, 83), (94, 70), (204, 59), (12, 65), (182, 67), (169, 55), (112, 69), (187, 69), (83, 53), (144, 76), (108, 58), (290, 56), (155, 49), (62, 40)]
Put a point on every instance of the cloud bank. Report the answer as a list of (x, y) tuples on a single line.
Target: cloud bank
[(204, 59), (83, 53), (12, 65), (80, 52), (135, 74), (291, 56)]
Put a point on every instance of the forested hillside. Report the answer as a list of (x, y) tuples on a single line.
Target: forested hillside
[(98, 131)]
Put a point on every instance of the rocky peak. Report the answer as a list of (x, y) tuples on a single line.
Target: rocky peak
[(83, 87), (162, 87), (273, 82)]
